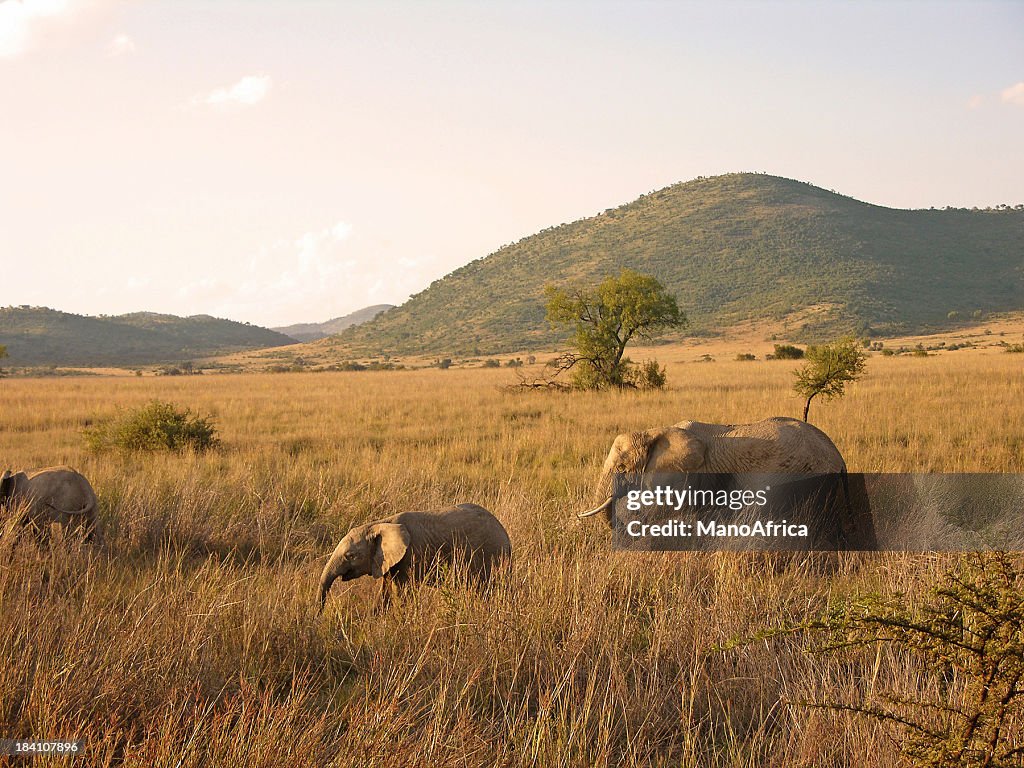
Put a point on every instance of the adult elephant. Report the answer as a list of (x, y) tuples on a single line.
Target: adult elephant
[(51, 495), (773, 446)]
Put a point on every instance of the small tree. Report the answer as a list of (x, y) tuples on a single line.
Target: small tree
[(965, 640), (828, 370), (605, 320)]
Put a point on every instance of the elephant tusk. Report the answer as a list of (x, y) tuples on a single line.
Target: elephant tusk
[(607, 503)]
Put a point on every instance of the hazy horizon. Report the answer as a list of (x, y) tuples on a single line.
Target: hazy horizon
[(290, 162)]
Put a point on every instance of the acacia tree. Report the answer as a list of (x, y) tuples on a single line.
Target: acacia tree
[(828, 370), (605, 319)]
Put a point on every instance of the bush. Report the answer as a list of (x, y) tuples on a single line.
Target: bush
[(492, 364), (966, 640), (788, 352), (444, 364), (649, 375), (157, 426), (746, 356)]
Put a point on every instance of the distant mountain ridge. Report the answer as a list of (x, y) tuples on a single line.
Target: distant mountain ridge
[(43, 336), (314, 331), (732, 248)]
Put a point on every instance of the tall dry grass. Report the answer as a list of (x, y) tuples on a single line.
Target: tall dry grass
[(190, 638)]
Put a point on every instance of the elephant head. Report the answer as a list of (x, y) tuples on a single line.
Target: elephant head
[(666, 449), (369, 550), (10, 484), (6, 485)]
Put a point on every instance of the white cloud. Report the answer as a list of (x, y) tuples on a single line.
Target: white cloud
[(1014, 94), (975, 101), (309, 278), (250, 90), (121, 45), (19, 20)]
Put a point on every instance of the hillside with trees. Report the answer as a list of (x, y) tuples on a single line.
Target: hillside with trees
[(42, 336), (730, 248)]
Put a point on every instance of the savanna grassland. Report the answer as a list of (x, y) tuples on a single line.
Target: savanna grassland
[(189, 637)]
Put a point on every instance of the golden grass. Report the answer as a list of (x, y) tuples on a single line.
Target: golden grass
[(190, 638)]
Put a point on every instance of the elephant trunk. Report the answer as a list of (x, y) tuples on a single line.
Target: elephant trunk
[(330, 573)]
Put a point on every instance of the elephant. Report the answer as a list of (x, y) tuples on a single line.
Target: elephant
[(776, 445), (410, 545), (51, 495)]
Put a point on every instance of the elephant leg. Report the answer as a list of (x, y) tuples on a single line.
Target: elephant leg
[(391, 586), (386, 589)]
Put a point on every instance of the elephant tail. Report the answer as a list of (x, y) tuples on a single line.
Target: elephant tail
[(90, 506)]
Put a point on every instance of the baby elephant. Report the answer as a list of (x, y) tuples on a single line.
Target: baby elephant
[(52, 495), (409, 545)]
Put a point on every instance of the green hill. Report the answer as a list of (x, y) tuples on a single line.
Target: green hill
[(43, 336), (732, 248)]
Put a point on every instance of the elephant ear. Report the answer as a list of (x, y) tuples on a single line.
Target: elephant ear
[(6, 484), (675, 450), (392, 543)]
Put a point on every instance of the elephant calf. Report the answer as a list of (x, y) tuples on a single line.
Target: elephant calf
[(410, 545), (51, 495)]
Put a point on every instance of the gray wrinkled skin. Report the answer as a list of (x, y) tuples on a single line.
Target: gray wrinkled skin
[(51, 495), (774, 445), (410, 546)]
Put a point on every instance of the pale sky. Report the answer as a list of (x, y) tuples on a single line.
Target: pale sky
[(282, 161)]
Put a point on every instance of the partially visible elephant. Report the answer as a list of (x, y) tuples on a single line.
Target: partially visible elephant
[(51, 495), (775, 445), (410, 545)]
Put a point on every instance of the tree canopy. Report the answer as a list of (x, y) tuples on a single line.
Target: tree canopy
[(829, 368), (605, 319)]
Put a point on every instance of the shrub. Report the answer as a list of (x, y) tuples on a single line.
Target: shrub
[(156, 426), (967, 640), (746, 356), (444, 364), (649, 375), (492, 364), (788, 352)]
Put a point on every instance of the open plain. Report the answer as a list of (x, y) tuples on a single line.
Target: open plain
[(190, 636)]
